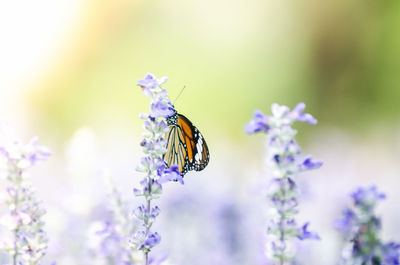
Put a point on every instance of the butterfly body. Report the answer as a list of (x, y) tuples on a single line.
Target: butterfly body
[(186, 146)]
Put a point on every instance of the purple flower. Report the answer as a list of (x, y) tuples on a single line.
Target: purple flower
[(346, 221), (25, 155), (303, 233), (152, 240), (391, 254), (140, 212), (161, 109), (25, 224), (259, 123), (146, 163), (309, 164), (154, 192), (151, 82), (281, 115), (297, 114), (367, 196), (36, 152), (153, 165), (284, 156), (155, 211), (361, 231), (161, 168), (169, 174), (106, 229)]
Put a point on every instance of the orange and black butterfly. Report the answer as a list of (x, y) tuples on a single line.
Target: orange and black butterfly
[(186, 146)]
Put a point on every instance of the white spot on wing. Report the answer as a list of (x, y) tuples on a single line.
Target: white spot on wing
[(199, 145), (197, 157)]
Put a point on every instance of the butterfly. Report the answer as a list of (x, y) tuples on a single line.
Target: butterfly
[(186, 146)]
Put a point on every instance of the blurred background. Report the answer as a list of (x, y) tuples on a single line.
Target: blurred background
[(68, 73)]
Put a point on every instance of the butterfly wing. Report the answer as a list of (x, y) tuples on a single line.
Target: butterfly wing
[(186, 146), (176, 151), (197, 149)]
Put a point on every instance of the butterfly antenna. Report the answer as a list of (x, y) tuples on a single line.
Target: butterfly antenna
[(180, 93)]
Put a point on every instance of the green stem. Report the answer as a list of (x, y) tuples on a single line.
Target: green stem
[(16, 202), (282, 224), (146, 221)]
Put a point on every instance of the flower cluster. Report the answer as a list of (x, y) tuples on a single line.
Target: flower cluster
[(152, 165), (113, 234), (285, 161), (27, 242), (361, 230)]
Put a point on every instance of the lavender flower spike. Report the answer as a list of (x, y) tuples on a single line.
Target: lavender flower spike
[(285, 161), (152, 164), (361, 228), (112, 236), (27, 241)]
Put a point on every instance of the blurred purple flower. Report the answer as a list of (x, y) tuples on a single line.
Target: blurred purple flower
[(282, 114), (112, 239), (297, 114), (140, 212), (309, 164), (361, 231), (152, 240), (367, 197), (283, 156), (391, 252), (151, 82), (36, 152), (25, 155), (346, 221), (155, 211), (303, 233), (259, 123), (24, 220)]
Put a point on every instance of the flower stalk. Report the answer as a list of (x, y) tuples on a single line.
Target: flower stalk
[(114, 233), (360, 228), (285, 161), (27, 241), (152, 164)]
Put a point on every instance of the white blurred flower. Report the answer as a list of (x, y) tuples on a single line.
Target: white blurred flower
[(8, 221), (24, 218)]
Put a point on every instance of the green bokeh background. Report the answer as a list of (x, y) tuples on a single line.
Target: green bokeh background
[(341, 58)]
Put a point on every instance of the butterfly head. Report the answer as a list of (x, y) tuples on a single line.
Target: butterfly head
[(173, 119)]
